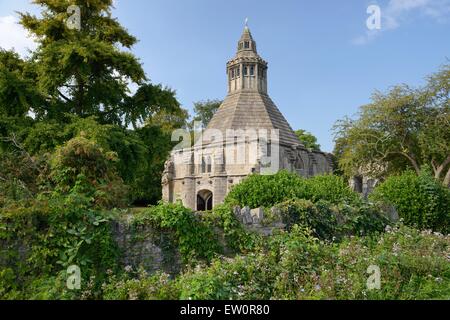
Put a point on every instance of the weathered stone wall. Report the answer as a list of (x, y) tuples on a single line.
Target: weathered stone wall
[(257, 221), (143, 246)]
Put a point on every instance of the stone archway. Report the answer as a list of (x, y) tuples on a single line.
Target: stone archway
[(204, 200)]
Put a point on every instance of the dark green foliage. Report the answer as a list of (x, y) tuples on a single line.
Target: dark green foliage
[(82, 167), (237, 239), (308, 140), (421, 201), (297, 266), (83, 70), (205, 110), (41, 238), (196, 240), (332, 222), (266, 191), (78, 81), (141, 153), (17, 91)]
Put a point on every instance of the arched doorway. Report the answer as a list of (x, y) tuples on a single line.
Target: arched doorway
[(204, 200)]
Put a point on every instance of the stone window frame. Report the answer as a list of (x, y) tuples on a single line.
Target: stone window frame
[(206, 166), (252, 70)]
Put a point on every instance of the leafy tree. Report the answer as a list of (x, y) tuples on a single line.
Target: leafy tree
[(77, 83), (404, 128), (85, 71), (17, 90), (205, 110), (308, 139)]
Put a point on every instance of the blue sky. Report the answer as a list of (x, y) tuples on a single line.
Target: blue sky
[(323, 62)]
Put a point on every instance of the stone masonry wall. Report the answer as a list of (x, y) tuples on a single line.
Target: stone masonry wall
[(145, 247)]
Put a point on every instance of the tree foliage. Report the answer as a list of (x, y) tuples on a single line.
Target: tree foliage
[(205, 110), (78, 81), (308, 139), (404, 128)]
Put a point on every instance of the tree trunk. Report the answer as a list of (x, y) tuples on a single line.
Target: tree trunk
[(447, 179), (440, 169), (413, 162)]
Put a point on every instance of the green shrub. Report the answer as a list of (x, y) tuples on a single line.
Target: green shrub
[(269, 190), (42, 238), (243, 277), (332, 222), (294, 265), (331, 188), (140, 286), (413, 265), (82, 166), (195, 238), (421, 201), (319, 218), (237, 238)]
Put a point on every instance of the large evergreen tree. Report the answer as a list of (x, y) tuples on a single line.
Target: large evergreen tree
[(77, 83), (87, 72)]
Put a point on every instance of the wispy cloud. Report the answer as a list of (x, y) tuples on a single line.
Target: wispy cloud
[(397, 12), (14, 36)]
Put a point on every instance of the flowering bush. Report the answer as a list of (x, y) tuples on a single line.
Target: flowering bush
[(295, 265)]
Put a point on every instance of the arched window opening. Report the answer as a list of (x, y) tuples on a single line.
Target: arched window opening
[(204, 200)]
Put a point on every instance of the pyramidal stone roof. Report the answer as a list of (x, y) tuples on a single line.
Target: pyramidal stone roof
[(249, 106), (252, 110)]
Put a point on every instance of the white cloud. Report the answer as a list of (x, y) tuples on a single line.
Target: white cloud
[(397, 12), (14, 36)]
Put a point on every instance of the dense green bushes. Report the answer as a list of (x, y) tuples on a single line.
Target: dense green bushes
[(81, 166), (139, 154), (421, 201), (332, 222), (195, 239), (323, 254), (297, 266), (267, 191), (40, 239)]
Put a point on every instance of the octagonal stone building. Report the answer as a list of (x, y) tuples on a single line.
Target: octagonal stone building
[(247, 135)]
